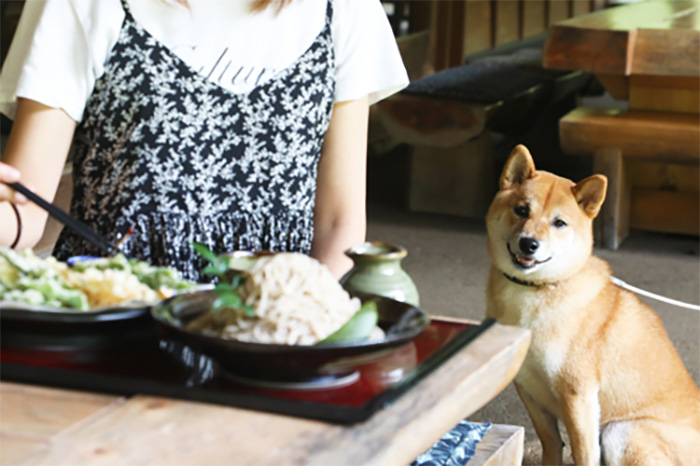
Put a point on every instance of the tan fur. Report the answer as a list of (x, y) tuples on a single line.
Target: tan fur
[(600, 359)]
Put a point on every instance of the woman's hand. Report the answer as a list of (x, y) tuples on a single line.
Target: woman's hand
[(9, 174)]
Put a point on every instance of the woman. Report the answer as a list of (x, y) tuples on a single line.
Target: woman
[(241, 125)]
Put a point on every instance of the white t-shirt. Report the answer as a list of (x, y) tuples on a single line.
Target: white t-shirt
[(61, 46)]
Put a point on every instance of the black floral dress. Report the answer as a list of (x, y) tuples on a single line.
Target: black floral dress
[(166, 151)]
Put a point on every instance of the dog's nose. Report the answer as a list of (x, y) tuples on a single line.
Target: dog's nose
[(528, 245)]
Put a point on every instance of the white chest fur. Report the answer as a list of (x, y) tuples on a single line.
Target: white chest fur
[(541, 313)]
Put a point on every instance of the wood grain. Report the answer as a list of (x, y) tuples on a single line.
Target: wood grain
[(458, 180), (16, 449), (647, 53), (477, 27), (558, 11), (664, 176), (613, 222), (669, 99), (533, 20), (35, 417), (148, 430), (657, 136), (51, 411), (506, 22), (651, 38), (665, 211), (502, 445), (666, 52), (573, 48), (415, 52)]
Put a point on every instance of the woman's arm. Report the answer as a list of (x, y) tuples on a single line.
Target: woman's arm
[(38, 146), (340, 214)]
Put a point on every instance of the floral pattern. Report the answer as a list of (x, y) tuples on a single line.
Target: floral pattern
[(456, 447), (164, 150)]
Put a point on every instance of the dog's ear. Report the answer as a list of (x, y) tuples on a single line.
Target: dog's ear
[(519, 168), (590, 194)]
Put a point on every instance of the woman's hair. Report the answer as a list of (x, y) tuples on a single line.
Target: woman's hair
[(257, 5)]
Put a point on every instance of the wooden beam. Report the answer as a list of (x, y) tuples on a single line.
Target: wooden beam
[(657, 136)]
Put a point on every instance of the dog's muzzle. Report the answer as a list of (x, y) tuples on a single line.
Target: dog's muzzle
[(524, 259)]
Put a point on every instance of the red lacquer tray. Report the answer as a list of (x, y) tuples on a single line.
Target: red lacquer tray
[(134, 359)]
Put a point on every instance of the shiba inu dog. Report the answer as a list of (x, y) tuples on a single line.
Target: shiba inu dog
[(600, 359)]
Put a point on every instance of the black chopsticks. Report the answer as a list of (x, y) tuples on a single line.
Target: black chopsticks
[(73, 223)]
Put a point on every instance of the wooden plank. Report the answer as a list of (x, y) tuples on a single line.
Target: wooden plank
[(415, 51), (599, 4), (439, 35), (604, 41), (447, 34), (506, 22), (458, 181), (50, 411), (34, 417), (533, 19), (665, 211), (663, 52), (420, 16), (670, 100), (558, 11), (654, 135), (456, 51), (572, 48), (477, 26), (15, 450), (580, 7), (147, 430), (502, 445), (664, 176), (674, 14), (617, 85)]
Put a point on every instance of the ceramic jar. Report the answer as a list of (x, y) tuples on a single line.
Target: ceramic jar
[(377, 270)]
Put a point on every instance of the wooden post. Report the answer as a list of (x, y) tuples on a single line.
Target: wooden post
[(612, 225)]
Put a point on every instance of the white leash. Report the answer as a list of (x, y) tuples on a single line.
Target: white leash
[(633, 289)]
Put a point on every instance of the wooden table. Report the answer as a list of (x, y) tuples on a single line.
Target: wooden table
[(42, 425), (647, 54)]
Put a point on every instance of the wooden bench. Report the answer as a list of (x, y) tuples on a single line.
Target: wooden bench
[(646, 54), (450, 137), (617, 141), (448, 119)]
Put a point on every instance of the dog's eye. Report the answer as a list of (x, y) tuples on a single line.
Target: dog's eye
[(559, 223), (522, 211)]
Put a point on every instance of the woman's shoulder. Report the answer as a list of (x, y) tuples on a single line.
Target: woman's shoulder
[(88, 18)]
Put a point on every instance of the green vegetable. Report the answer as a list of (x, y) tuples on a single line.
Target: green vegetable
[(228, 296), (154, 277), (26, 278), (359, 327)]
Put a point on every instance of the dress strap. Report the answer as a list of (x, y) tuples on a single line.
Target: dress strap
[(126, 8), (329, 11)]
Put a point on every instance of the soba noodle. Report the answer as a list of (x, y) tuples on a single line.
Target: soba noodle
[(297, 301)]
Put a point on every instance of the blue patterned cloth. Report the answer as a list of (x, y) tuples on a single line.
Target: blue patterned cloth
[(456, 447)]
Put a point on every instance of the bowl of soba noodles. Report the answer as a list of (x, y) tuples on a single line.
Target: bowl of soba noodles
[(288, 325)]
